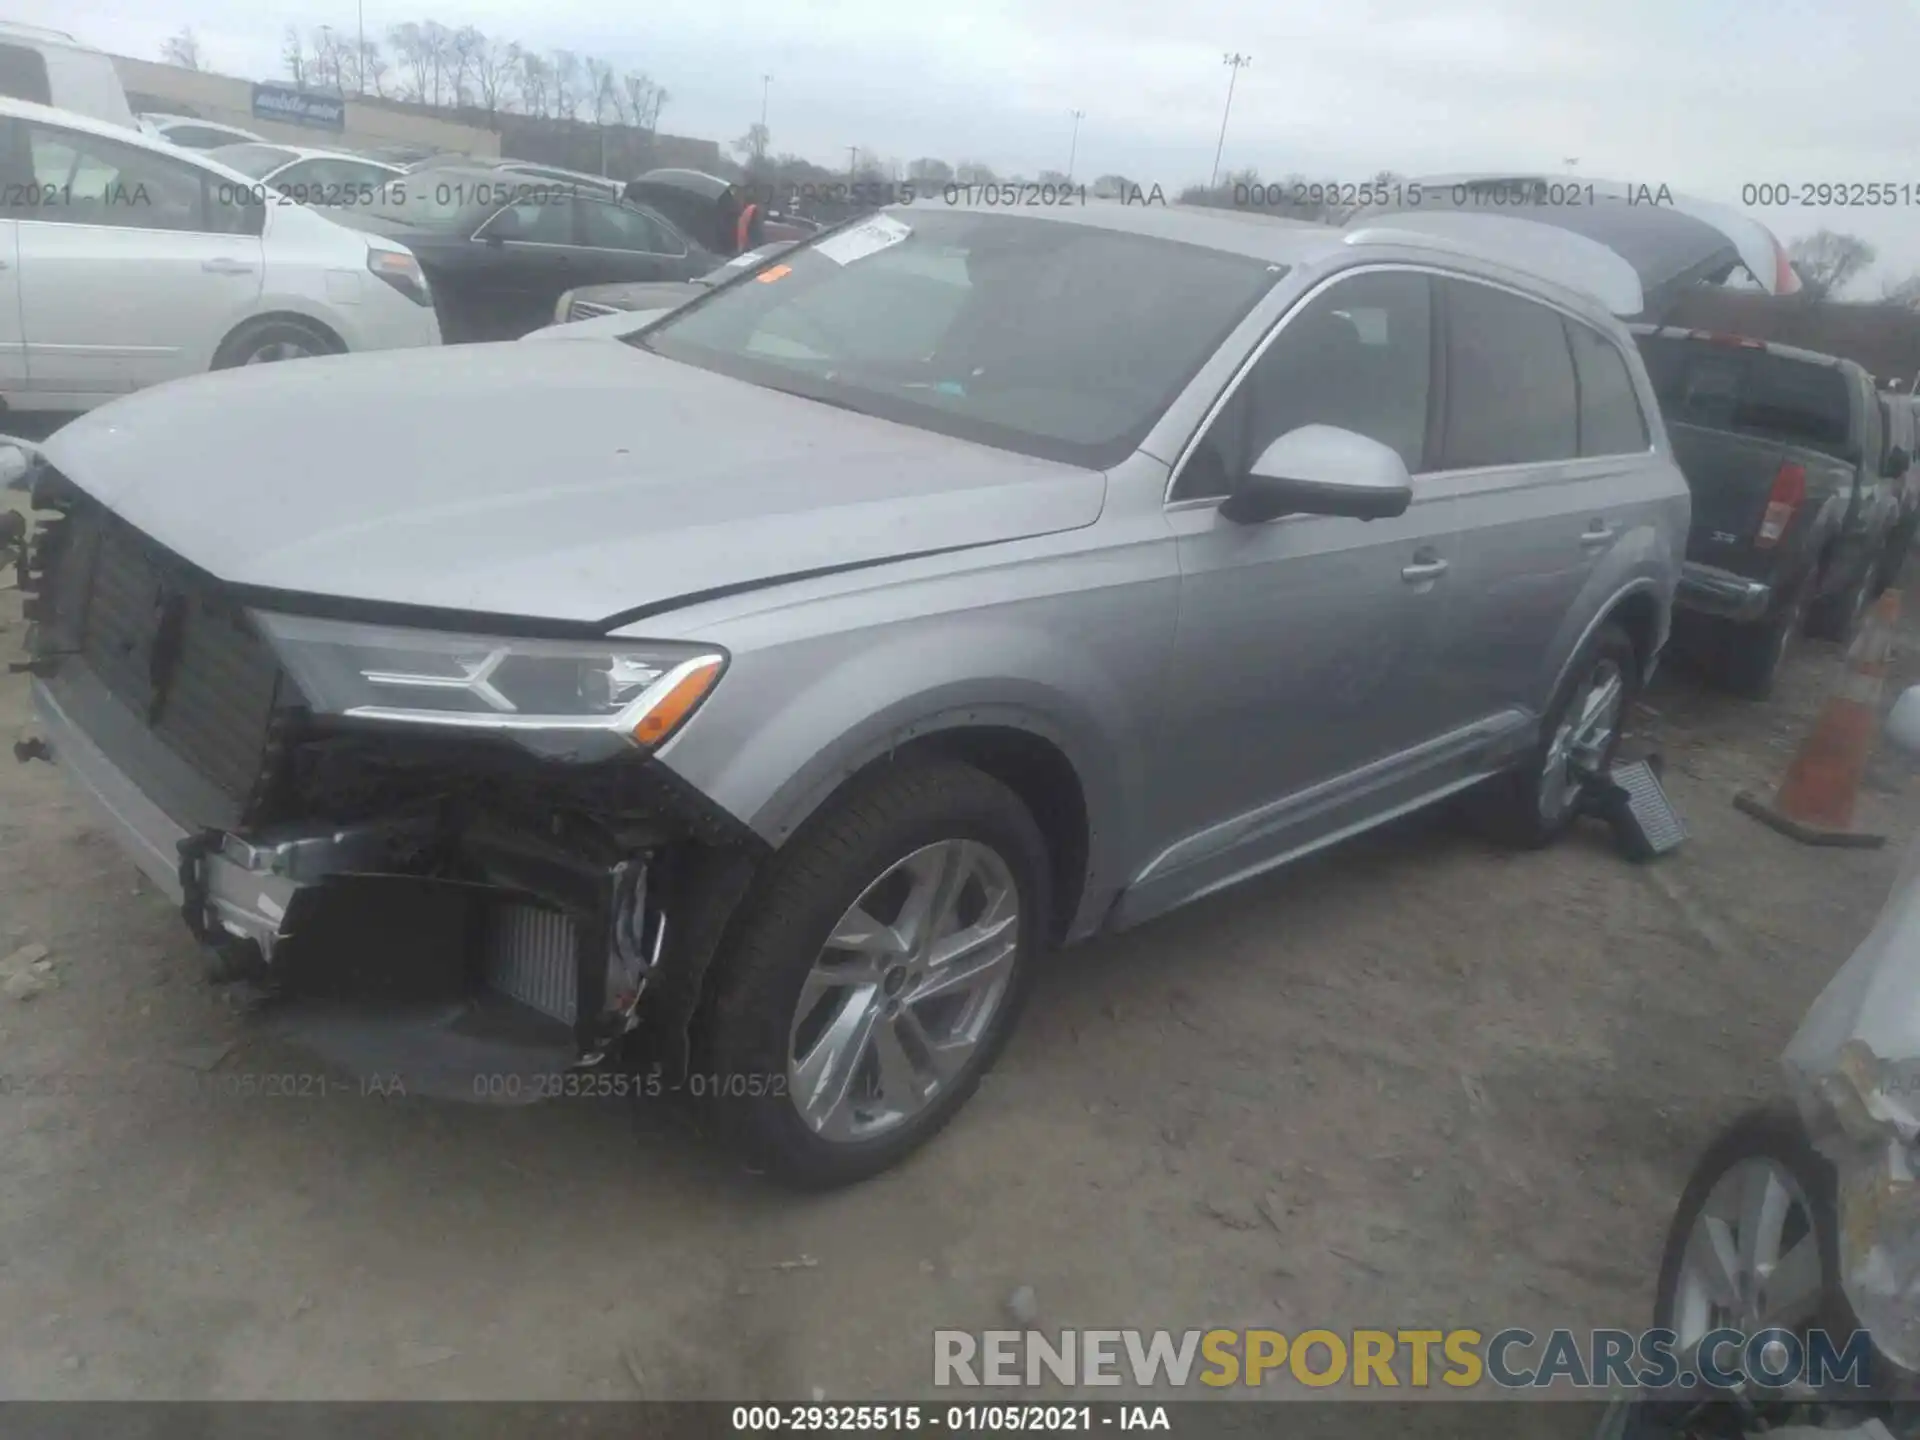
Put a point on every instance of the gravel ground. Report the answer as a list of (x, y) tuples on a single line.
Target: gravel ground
[(1412, 1081)]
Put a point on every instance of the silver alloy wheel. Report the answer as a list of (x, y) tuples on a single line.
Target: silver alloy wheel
[(1589, 727), (1752, 1260), (274, 350), (903, 991)]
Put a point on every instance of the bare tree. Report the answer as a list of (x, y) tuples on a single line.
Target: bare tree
[(330, 58), (438, 40), (1827, 262), (752, 146), (1905, 293), (466, 48), (294, 53), (642, 101), (369, 68), (930, 171), (494, 75), (409, 42), (182, 49), (600, 89), (567, 84), (536, 84)]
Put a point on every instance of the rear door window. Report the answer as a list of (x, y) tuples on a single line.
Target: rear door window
[(1511, 394), (1611, 422), (23, 75), (1749, 391)]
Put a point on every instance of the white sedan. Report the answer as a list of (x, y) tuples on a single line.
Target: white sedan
[(125, 261), (313, 177)]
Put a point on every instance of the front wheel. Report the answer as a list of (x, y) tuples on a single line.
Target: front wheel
[(268, 341), (875, 971)]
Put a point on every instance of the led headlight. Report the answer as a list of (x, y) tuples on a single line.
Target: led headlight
[(641, 690)]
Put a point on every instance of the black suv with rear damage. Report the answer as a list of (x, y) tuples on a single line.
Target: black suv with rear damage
[(1796, 491)]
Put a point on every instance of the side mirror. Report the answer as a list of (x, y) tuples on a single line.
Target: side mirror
[(1903, 725), (1896, 463), (1321, 470)]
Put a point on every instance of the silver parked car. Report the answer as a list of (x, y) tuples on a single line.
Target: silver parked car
[(760, 690)]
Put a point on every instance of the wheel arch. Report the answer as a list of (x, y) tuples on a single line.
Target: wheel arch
[(296, 317)]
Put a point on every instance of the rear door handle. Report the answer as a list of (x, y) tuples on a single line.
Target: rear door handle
[(1597, 533), (224, 266), (1422, 570)]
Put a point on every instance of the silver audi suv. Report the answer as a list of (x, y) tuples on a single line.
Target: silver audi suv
[(742, 701)]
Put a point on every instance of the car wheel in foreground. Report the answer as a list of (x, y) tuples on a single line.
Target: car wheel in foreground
[(875, 970), (1754, 1245), (1534, 804), (265, 342), (1751, 655)]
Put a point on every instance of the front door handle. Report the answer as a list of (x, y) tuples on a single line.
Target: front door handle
[(1423, 570), (1597, 533), (224, 266)]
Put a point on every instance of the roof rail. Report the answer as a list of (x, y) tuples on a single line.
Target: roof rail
[(1559, 256)]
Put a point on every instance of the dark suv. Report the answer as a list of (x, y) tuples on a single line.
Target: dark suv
[(1797, 481)]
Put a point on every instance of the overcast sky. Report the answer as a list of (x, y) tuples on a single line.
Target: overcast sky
[(1702, 95)]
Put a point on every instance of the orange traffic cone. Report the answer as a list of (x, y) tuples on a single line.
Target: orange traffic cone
[(1816, 799)]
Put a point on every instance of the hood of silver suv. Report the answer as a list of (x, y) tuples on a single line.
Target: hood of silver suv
[(565, 482)]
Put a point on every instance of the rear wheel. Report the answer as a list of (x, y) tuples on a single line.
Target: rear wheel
[(1535, 804), (1837, 616), (875, 971), (1749, 656)]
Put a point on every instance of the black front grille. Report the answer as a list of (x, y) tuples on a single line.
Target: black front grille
[(171, 647)]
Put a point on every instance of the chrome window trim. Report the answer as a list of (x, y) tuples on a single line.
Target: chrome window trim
[(1431, 272)]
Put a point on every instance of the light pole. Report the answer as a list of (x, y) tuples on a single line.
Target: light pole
[(360, 56), (1074, 148), (766, 84), (1236, 62)]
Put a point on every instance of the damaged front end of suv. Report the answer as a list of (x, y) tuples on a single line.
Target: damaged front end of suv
[(451, 845)]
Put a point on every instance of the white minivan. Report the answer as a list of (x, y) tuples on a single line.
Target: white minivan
[(50, 67)]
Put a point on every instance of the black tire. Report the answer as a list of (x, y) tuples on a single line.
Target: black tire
[(1837, 616), (1773, 1133), (1508, 808), (784, 923), (255, 336), (1749, 656)]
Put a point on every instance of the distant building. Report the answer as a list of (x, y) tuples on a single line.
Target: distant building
[(229, 100)]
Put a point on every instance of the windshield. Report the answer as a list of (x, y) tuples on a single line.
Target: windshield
[(1749, 391), (258, 161), (733, 267), (1060, 340)]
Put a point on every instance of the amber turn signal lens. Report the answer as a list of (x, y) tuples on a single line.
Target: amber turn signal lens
[(673, 707)]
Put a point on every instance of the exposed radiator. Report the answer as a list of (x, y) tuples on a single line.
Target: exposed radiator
[(527, 954)]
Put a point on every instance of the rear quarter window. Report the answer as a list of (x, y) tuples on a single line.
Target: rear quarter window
[(23, 75), (1611, 421)]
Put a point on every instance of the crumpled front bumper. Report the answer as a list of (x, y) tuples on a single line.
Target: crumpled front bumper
[(247, 889)]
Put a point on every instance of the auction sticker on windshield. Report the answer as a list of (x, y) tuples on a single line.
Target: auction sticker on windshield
[(863, 239)]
